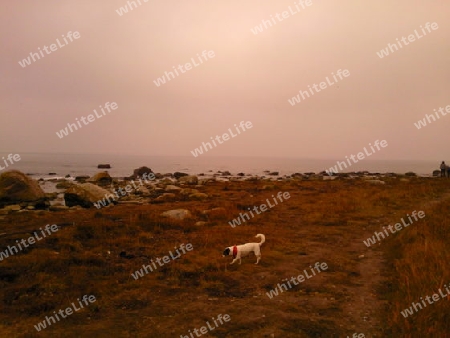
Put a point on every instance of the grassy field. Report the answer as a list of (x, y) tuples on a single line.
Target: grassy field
[(363, 290)]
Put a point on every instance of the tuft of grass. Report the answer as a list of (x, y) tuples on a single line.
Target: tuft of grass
[(420, 259)]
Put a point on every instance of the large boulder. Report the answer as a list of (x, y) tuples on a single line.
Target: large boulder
[(191, 180), (86, 195), (177, 174), (101, 178), (137, 173), (16, 187)]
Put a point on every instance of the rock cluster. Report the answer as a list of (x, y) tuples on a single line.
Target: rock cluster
[(16, 188), (18, 192)]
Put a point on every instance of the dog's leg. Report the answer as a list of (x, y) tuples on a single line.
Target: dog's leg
[(234, 260), (257, 259), (240, 261)]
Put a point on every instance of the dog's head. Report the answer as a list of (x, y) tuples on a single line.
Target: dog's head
[(226, 252)]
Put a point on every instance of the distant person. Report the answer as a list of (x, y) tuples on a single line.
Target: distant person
[(448, 170), (443, 169)]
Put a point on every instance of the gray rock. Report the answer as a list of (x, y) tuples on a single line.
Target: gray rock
[(63, 184), (86, 195), (166, 180), (191, 180), (188, 191), (178, 214), (198, 196), (173, 188), (141, 171), (214, 211), (177, 174), (204, 181), (101, 178)]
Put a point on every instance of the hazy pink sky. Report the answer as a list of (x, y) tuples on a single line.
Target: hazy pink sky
[(251, 77)]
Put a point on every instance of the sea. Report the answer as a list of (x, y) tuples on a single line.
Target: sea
[(48, 166)]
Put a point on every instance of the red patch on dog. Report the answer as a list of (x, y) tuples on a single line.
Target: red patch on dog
[(234, 251)]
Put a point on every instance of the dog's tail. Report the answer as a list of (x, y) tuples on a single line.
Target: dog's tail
[(263, 238)]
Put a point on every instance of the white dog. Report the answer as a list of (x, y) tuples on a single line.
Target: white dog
[(239, 251)]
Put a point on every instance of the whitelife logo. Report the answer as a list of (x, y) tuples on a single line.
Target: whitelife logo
[(187, 66), (300, 278), (128, 189), (204, 329), (265, 24), (263, 208), (124, 10), (166, 259), (409, 312), (11, 158), (68, 311), (225, 137), (411, 38), (52, 47), (360, 156), (323, 85), (423, 123), (50, 229), (90, 118), (372, 240)]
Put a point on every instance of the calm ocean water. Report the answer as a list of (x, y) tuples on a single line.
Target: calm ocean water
[(40, 165)]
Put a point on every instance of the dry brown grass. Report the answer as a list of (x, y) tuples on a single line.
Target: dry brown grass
[(323, 221), (420, 257)]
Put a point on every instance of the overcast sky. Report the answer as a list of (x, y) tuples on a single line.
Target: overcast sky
[(117, 58)]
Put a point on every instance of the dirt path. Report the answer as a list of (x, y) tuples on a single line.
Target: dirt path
[(365, 305)]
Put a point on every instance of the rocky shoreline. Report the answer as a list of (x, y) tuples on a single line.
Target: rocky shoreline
[(20, 193)]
